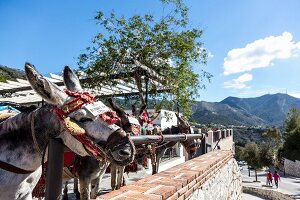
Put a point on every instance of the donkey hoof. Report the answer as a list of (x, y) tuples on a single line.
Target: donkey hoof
[(77, 195)]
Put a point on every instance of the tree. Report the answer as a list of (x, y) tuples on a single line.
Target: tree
[(291, 145), (166, 45), (238, 152), (266, 155), (292, 121), (250, 154), (257, 156), (273, 137)]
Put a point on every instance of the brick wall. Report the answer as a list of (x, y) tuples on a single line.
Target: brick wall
[(187, 180)]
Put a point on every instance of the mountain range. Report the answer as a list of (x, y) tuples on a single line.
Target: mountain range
[(266, 110)]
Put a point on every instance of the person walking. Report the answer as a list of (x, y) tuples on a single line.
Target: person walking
[(269, 178), (276, 178)]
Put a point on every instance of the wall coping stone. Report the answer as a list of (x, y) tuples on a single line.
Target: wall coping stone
[(178, 182), (267, 193)]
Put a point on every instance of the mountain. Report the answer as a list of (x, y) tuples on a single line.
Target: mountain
[(266, 110), (7, 73)]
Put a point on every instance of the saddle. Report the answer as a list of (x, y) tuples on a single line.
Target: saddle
[(6, 115), (7, 111)]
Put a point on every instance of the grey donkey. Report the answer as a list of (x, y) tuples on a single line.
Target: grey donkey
[(154, 152), (90, 171), (24, 136)]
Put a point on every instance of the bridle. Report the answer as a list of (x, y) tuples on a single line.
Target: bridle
[(71, 127)]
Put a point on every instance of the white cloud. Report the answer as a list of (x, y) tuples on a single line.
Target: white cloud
[(239, 83), (209, 55), (261, 53), (295, 94)]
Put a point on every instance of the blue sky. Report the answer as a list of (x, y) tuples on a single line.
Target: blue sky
[(254, 45)]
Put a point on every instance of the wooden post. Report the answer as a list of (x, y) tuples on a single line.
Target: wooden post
[(146, 83), (54, 169), (203, 145)]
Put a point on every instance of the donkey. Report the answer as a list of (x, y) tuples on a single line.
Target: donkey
[(24, 137), (90, 171), (140, 116), (183, 127), (154, 152)]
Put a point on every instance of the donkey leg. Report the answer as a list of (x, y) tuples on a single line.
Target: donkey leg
[(96, 189), (85, 188), (65, 195), (76, 190), (113, 173), (154, 164), (157, 159), (120, 176), (124, 181)]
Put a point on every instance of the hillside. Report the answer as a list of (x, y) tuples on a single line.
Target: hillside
[(266, 110), (7, 73)]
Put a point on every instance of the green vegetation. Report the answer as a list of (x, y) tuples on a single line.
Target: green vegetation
[(10, 74), (291, 145), (257, 156), (166, 45)]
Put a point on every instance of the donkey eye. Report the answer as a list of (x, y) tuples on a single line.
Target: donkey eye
[(85, 120)]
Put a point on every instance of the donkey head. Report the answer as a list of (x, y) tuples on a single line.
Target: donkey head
[(184, 127), (129, 123), (80, 108)]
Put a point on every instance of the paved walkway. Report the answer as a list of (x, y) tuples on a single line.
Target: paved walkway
[(251, 197), (287, 185)]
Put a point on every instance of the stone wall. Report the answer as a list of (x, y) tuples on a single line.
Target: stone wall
[(226, 183), (222, 138), (269, 194), (226, 143), (291, 167), (214, 175)]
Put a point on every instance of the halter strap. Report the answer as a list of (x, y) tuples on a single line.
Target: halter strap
[(14, 169)]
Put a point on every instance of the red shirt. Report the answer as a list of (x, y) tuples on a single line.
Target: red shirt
[(269, 176)]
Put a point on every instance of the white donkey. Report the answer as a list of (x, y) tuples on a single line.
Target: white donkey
[(70, 116)]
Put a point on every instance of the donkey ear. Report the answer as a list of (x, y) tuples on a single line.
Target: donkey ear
[(155, 115), (115, 107), (134, 110), (71, 80), (47, 90), (181, 121)]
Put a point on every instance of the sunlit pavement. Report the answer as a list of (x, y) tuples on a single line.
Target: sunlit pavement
[(287, 185)]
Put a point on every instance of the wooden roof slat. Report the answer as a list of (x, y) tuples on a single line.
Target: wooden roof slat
[(16, 83)]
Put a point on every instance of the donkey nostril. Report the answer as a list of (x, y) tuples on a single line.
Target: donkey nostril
[(124, 152)]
